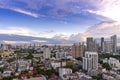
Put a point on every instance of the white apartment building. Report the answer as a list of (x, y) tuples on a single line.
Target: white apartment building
[(90, 61), (114, 63), (63, 71), (46, 53), (57, 64)]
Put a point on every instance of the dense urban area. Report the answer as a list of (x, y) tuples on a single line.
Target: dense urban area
[(90, 60)]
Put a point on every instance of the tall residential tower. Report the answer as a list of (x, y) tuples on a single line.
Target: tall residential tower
[(90, 61), (114, 43), (102, 44), (91, 44), (77, 50)]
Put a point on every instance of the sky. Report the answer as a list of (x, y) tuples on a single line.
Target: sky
[(60, 19)]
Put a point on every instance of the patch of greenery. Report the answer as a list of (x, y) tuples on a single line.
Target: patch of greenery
[(1, 70), (25, 51), (105, 55), (79, 58), (10, 60), (107, 66), (96, 77), (30, 56)]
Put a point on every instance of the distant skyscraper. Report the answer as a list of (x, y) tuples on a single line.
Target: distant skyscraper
[(114, 43), (107, 46), (77, 50), (91, 44), (102, 44), (90, 61)]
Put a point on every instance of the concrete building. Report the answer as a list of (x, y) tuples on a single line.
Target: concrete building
[(61, 55), (57, 64), (4, 47), (76, 76), (90, 61), (63, 71), (114, 63), (107, 77), (102, 44), (114, 43), (86, 77), (91, 44), (107, 46), (6, 73), (46, 53), (23, 65), (77, 50)]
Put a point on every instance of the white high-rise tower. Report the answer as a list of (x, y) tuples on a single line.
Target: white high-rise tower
[(114, 43), (90, 61)]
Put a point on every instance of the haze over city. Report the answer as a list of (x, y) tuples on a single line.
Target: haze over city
[(71, 20)]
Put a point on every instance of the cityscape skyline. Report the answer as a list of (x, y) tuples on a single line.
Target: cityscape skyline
[(68, 20), (59, 40)]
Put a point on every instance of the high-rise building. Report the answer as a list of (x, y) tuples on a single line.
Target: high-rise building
[(91, 44), (90, 61), (46, 53), (114, 43), (107, 46), (102, 44), (77, 50)]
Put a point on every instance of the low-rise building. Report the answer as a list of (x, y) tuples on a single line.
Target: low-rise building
[(6, 73), (57, 64), (114, 63), (23, 65), (64, 71)]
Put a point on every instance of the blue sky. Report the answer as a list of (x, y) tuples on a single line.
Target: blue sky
[(57, 18)]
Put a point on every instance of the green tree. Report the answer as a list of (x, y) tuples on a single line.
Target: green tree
[(100, 61), (79, 58), (96, 77), (41, 52), (107, 66), (10, 60), (30, 56), (1, 70), (7, 78)]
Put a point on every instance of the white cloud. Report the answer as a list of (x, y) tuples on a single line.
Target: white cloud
[(47, 34), (16, 42), (18, 31), (104, 29), (20, 10), (61, 37), (25, 12), (39, 41), (73, 37), (107, 8), (77, 37), (27, 32)]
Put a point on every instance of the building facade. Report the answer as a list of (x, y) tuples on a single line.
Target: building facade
[(102, 44), (90, 61), (46, 53), (107, 46), (77, 50), (114, 43), (91, 44)]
